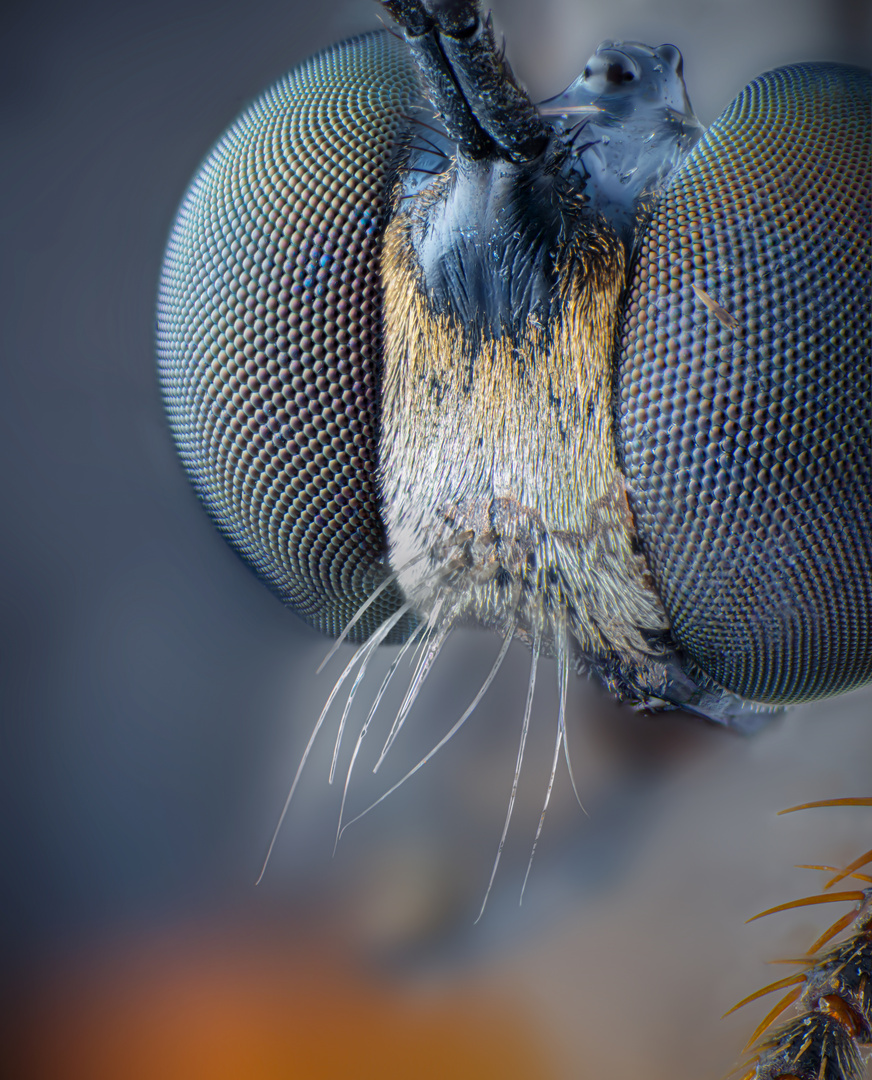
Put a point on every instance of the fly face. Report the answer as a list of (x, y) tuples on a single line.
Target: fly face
[(498, 496), (476, 366), (501, 492)]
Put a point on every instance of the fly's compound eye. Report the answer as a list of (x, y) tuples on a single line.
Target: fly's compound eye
[(745, 389), (268, 327)]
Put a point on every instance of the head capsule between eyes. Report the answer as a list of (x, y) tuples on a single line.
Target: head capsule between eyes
[(627, 122)]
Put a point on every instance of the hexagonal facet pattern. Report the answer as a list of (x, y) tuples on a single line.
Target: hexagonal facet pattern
[(268, 327), (744, 389)]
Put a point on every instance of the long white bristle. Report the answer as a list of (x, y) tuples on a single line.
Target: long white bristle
[(365, 726), (374, 639), (537, 644), (504, 648), (373, 596), (434, 638)]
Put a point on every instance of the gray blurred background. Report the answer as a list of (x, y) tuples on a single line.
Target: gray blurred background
[(156, 698)]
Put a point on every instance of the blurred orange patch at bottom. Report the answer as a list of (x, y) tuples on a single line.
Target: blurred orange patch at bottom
[(232, 1008)]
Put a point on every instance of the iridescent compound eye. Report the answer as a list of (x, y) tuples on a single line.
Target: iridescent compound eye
[(269, 323), (745, 389)]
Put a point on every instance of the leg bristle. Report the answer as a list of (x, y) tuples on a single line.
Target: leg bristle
[(833, 931), (850, 801), (826, 1035), (834, 870), (807, 901), (773, 1014), (848, 871), (779, 984)]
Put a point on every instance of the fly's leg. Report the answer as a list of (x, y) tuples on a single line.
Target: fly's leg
[(485, 110), (830, 1034), (825, 1040)]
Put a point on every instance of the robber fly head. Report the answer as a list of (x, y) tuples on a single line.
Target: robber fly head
[(577, 372)]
